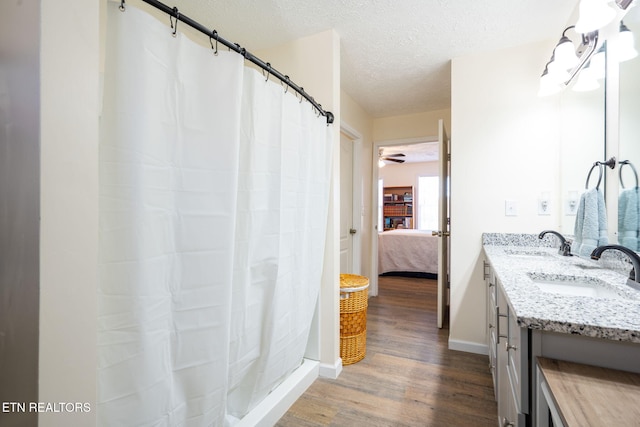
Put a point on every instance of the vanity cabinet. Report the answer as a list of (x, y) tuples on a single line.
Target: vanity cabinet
[(549, 326), (508, 355)]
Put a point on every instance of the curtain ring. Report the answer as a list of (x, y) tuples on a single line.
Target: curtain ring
[(175, 29), (286, 89), (301, 92), (268, 72), (214, 34), (122, 8)]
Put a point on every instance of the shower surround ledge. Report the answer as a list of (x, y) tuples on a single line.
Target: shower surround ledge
[(516, 258)]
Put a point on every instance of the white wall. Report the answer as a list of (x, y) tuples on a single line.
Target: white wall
[(359, 120), (407, 174), (419, 125), (505, 144), (69, 62)]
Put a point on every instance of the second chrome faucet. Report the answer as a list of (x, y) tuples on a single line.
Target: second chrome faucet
[(633, 257)]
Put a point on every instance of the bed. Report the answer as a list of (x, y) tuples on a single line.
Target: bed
[(407, 251)]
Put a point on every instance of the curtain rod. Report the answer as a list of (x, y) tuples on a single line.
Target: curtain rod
[(175, 13)]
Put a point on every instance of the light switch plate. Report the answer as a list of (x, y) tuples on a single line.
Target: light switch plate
[(511, 208)]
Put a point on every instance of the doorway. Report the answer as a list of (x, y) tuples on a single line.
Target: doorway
[(420, 171)]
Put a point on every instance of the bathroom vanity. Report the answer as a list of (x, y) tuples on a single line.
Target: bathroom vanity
[(543, 304)]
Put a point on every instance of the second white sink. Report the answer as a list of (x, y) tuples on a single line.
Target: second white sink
[(575, 286)]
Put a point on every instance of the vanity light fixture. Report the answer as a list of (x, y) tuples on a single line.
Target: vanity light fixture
[(556, 69), (627, 49), (594, 14), (564, 54)]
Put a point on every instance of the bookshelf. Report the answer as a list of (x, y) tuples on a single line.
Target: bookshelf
[(397, 207)]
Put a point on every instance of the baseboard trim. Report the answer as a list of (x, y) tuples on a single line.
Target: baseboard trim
[(331, 371), (278, 402), (469, 347)]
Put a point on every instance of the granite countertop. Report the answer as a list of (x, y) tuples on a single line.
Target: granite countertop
[(519, 259)]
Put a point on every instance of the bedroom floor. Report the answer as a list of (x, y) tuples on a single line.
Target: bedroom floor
[(408, 378)]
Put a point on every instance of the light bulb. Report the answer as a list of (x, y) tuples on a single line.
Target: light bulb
[(626, 46), (565, 54), (594, 14)]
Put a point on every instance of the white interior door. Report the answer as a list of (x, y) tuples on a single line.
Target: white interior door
[(443, 219), (347, 229)]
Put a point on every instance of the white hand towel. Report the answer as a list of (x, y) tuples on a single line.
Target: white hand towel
[(590, 229), (628, 217)]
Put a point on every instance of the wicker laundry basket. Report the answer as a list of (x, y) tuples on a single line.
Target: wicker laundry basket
[(353, 317)]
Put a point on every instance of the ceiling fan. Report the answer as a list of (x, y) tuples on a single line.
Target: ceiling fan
[(391, 157)]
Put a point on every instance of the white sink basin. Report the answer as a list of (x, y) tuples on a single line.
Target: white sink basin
[(575, 286)]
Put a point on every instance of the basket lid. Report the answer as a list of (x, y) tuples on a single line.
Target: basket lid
[(353, 281)]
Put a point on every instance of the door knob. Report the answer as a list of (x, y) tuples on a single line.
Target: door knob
[(352, 231), (440, 233)]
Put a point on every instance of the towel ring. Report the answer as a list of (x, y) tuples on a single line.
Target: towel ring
[(610, 163), (635, 172), (599, 165)]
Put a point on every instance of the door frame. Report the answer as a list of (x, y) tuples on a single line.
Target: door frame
[(444, 227), (373, 280), (357, 192)]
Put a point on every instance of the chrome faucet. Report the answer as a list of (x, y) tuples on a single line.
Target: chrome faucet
[(633, 256), (565, 246)]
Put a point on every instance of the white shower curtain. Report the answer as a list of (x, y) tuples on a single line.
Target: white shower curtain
[(213, 207)]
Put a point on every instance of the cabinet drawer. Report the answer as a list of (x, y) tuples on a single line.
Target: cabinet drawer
[(492, 321), (493, 366), (510, 416), (517, 350), (492, 289)]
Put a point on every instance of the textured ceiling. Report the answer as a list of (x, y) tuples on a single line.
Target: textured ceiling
[(395, 54)]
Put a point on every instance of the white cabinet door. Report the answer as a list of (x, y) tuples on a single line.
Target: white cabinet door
[(492, 322), (504, 389)]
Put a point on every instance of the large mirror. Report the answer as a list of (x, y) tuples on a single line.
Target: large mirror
[(582, 127), (629, 145), (583, 143)]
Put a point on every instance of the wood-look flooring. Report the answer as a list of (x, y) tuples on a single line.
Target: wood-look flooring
[(408, 378)]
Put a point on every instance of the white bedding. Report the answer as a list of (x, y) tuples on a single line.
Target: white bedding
[(407, 250)]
